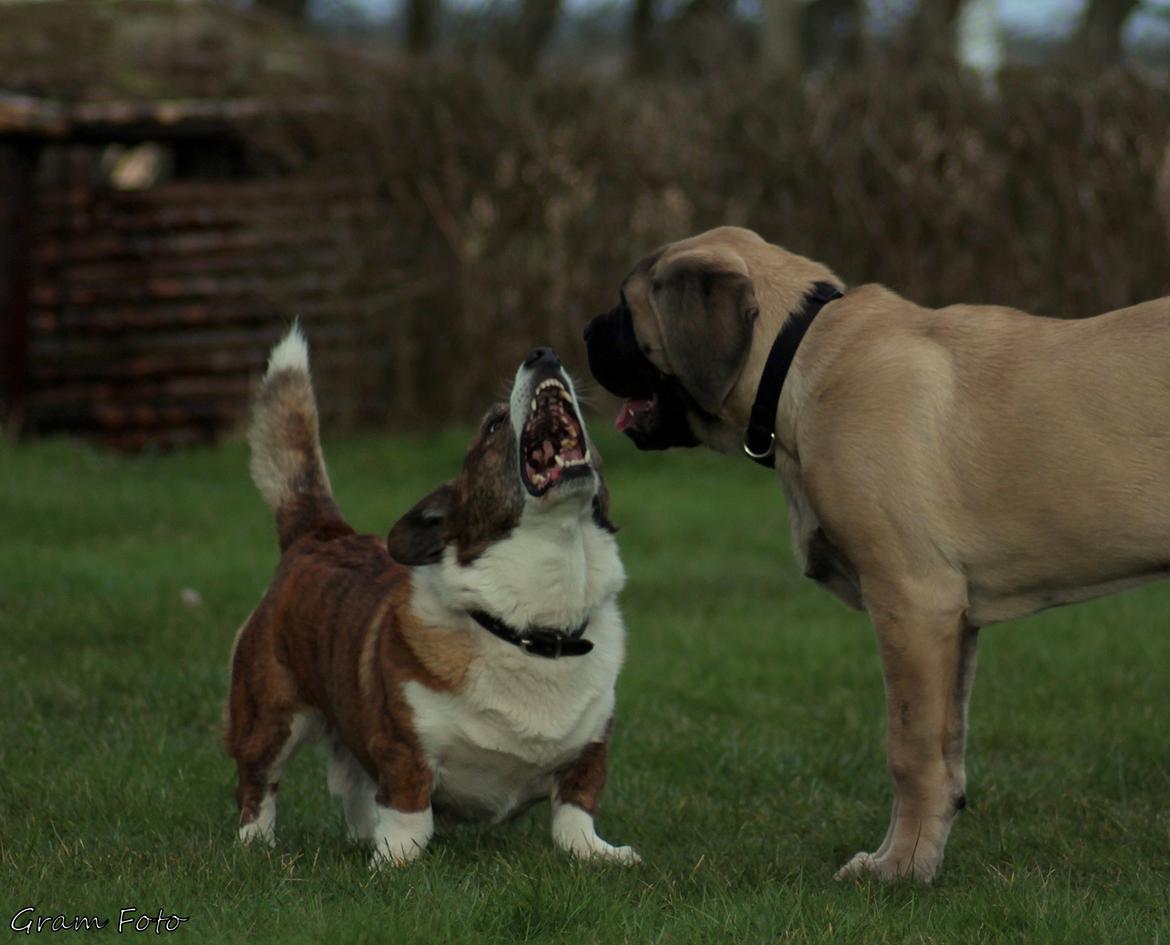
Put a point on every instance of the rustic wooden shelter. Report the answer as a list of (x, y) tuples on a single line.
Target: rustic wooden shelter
[(146, 267), (150, 249)]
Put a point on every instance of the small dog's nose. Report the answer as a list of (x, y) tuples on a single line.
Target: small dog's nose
[(541, 356)]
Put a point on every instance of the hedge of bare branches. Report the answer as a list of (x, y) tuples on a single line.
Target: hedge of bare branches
[(508, 211)]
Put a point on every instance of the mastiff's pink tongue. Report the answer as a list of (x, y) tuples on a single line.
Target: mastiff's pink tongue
[(632, 410)]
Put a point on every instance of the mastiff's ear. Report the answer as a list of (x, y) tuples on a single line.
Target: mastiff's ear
[(707, 306), (421, 534)]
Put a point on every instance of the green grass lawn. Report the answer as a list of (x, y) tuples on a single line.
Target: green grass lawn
[(747, 762)]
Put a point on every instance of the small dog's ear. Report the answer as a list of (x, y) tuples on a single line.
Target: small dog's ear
[(421, 534)]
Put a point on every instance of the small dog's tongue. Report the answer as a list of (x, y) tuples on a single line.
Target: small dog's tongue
[(628, 414)]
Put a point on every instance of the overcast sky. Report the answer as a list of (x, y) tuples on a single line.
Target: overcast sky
[(1026, 16)]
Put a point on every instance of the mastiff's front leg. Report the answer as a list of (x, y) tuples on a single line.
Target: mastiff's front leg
[(928, 663)]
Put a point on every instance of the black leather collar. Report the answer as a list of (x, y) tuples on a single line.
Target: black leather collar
[(539, 641), (759, 439)]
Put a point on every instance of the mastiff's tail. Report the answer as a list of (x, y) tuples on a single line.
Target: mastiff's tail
[(287, 465)]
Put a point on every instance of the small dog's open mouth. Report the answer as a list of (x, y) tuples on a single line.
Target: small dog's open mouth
[(552, 443)]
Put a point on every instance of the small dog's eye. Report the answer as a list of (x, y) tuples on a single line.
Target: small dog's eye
[(494, 423)]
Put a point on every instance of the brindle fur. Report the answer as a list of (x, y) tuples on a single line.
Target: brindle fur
[(336, 637)]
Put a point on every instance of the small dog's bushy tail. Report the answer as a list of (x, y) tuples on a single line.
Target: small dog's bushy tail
[(287, 465)]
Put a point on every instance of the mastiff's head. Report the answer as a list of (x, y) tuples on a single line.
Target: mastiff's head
[(686, 343)]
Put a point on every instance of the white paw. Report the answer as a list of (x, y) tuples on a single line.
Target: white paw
[(887, 868), (391, 853), (400, 837), (859, 864), (573, 832), (625, 856), (261, 830), (255, 834)]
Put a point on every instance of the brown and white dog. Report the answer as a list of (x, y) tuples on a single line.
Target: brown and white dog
[(465, 664), (945, 469)]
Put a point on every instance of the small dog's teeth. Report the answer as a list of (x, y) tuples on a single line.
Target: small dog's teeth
[(560, 462)]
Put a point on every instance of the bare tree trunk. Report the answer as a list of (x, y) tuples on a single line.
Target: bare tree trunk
[(1098, 39), (528, 36), (291, 9), (930, 34), (640, 32), (781, 46), (421, 18)]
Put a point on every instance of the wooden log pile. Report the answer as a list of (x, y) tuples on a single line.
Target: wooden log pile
[(151, 312)]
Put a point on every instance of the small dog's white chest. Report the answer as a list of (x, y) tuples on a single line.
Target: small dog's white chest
[(496, 746)]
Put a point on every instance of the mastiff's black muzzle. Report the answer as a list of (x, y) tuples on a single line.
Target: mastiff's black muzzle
[(654, 414)]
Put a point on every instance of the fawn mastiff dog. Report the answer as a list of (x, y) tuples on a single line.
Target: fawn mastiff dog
[(944, 469)]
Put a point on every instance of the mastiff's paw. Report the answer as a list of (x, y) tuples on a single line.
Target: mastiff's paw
[(887, 867)]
